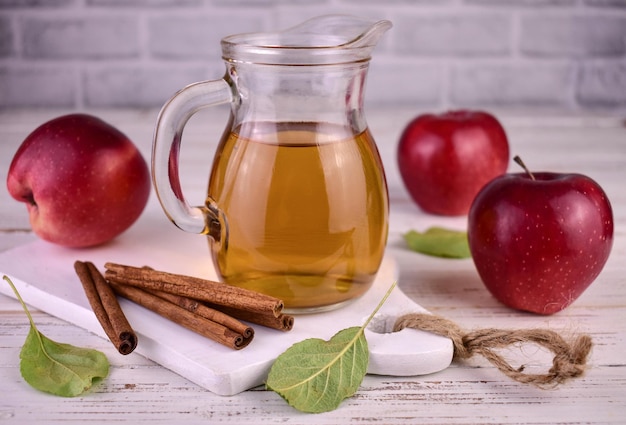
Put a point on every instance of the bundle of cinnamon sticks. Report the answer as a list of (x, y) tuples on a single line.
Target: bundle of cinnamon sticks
[(209, 308)]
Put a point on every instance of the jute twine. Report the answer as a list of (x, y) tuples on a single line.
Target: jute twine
[(569, 358)]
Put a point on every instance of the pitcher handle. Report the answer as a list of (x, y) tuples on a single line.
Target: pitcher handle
[(207, 219)]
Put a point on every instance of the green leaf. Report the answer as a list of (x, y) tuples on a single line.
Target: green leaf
[(315, 376), (439, 242), (57, 368), (60, 369)]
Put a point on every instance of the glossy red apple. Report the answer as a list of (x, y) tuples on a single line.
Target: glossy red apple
[(83, 181), (445, 159), (539, 240)]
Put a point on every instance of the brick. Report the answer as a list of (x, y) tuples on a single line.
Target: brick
[(453, 34), (92, 37), (37, 87), (506, 84), (197, 36), (35, 3), (137, 86), (265, 3), (144, 3), (606, 3), (528, 3), (602, 84), (6, 37), (408, 2), (573, 35), (394, 82)]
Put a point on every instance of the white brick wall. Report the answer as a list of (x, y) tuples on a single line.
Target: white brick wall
[(558, 55)]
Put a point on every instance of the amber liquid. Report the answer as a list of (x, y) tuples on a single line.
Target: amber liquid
[(307, 209)]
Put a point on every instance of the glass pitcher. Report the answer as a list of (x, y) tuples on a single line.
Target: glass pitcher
[(297, 203)]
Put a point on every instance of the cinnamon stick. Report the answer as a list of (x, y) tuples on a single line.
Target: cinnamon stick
[(106, 307), (195, 288), (282, 322), (207, 312), (194, 322)]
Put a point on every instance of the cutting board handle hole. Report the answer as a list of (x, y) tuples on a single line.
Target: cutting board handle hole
[(382, 324)]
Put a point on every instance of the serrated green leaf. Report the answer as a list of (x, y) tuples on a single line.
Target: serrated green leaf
[(439, 242), (57, 368), (315, 375)]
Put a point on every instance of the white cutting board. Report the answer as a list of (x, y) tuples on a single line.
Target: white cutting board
[(44, 275)]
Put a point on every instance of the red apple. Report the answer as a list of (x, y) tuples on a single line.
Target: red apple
[(538, 241), (445, 159), (83, 181)]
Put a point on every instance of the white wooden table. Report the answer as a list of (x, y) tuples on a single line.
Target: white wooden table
[(468, 392)]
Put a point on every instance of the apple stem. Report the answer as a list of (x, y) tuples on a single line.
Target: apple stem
[(519, 161)]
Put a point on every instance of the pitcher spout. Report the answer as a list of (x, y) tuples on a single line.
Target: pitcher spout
[(339, 31), (324, 39)]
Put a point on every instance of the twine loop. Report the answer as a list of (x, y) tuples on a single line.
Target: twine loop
[(569, 359)]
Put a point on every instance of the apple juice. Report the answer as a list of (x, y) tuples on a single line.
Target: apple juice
[(307, 208)]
